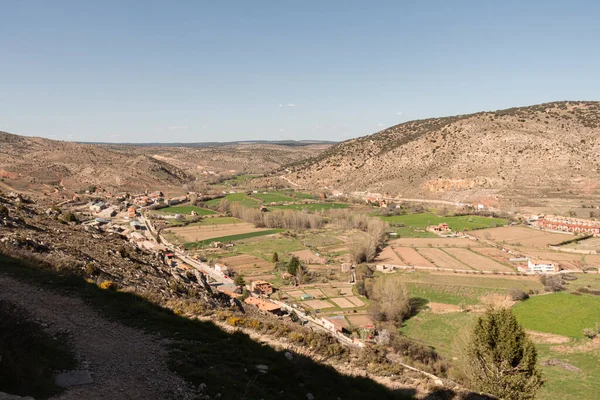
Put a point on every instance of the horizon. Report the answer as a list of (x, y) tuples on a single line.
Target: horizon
[(198, 72)]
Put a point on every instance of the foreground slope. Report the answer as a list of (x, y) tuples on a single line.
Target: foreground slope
[(527, 153)]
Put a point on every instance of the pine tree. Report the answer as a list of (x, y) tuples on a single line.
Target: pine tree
[(275, 258), (293, 265), (501, 359)]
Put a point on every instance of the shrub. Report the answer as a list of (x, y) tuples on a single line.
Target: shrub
[(517, 294), (236, 321), (3, 210), (552, 283), (108, 285), (590, 333)]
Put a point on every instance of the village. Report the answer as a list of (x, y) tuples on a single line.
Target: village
[(234, 257)]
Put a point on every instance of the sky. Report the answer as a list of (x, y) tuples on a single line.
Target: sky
[(194, 71)]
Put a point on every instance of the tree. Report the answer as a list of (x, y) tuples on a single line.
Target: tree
[(499, 358), (239, 280), (293, 265), (390, 299), (275, 258)]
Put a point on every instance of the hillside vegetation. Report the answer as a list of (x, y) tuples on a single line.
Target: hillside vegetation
[(547, 150)]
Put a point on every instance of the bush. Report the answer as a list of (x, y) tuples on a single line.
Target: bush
[(590, 333), (517, 294), (552, 283), (108, 285), (3, 210)]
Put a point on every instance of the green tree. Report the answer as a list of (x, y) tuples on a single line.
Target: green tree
[(499, 358), (239, 280), (275, 258), (293, 265)]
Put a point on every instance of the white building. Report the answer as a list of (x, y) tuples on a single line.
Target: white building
[(541, 267)]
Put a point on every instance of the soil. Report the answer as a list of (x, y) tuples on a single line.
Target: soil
[(442, 308), (124, 363), (547, 338)]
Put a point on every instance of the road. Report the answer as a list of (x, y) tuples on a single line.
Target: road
[(182, 255)]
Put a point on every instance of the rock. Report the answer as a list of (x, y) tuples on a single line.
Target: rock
[(6, 396), (262, 368), (289, 355), (73, 378), (309, 396), (202, 387)]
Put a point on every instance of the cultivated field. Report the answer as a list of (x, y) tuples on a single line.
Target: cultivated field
[(495, 253), (359, 320), (197, 233), (412, 257), (272, 197), (522, 236), (184, 210), (247, 264), (441, 259), (388, 256), (312, 206), (309, 257), (477, 261), (433, 242), (587, 244)]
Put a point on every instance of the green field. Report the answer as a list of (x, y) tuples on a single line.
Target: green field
[(272, 197), (234, 198), (264, 247), (230, 238), (413, 233), (559, 313), (185, 210), (297, 195), (312, 206), (461, 223)]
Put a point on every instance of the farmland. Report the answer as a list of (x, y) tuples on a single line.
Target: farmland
[(441, 258), (231, 238), (272, 197), (522, 236), (477, 261), (312, 206), (559, 313), (234, 198), (457, 223), (184, 210)]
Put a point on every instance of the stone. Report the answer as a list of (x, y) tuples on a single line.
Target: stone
[(289, 355), (310, 396), (73, 378), (202, 387), (262, 368)]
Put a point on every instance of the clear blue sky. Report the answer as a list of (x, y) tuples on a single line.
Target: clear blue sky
[(189, 71)]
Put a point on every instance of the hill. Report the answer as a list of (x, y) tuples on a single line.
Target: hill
[(48, 165), (519, 155)]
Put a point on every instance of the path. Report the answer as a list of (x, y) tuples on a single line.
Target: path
[(124, 363)]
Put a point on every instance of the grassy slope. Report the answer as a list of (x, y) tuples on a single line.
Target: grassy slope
[(202, 353)]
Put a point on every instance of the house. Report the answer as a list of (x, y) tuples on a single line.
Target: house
[(131, 212), (336, 323), (264, 305), (307, 297), (98, 206), (230, 290), (221, 268), (443, 227), (108, 213), (137, 225), (261, 287), (541, 267)]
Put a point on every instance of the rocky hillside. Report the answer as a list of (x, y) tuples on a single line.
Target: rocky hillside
[(45, 165), (32, 162), (547, 150)]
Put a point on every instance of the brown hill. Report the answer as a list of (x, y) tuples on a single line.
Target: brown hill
[(518, 155), (34, 162), (41, 164)]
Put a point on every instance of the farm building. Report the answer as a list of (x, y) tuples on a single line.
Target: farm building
[(261, 287), (336, 323), (541, 267), (131, 212), (443, 227)]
